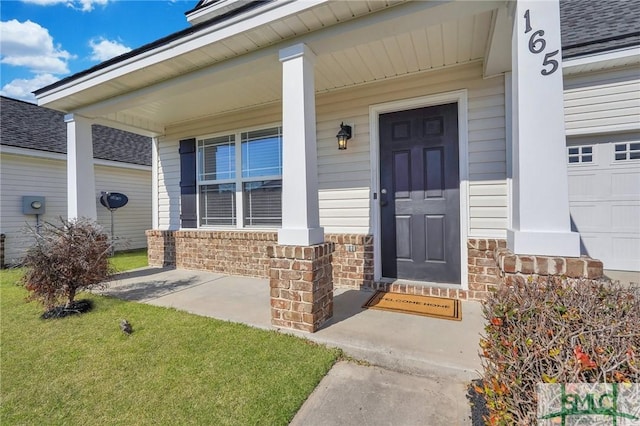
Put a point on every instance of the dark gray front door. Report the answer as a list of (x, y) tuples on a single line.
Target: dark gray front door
[(419, 194)]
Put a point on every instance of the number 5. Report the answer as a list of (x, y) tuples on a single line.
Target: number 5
[(548, 61)]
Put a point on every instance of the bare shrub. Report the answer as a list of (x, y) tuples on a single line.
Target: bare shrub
[(555, 331), (65, 259)]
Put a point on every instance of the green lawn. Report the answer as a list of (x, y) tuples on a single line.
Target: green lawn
[(174, 369), (125, 261)]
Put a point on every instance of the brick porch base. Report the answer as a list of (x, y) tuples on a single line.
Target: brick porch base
[(250, 253), (301, 286)]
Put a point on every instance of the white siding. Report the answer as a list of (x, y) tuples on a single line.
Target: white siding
[(168, 184), (607, 101), (132, 220), (24, 175), (345, 176)]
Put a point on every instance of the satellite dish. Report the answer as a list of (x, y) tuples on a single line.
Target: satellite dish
[(113, 200)]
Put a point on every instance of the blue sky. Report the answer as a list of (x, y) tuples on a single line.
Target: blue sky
[(42, 41)]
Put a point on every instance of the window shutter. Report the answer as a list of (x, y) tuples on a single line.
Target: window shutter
[(188, 201)]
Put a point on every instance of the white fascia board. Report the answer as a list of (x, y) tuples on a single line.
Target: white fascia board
[(615, 128), (48, 155), (121, 165), (238, 24), (498, 51), (6, 149), (569, 66)]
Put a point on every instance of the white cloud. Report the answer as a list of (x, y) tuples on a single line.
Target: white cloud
[(27, 44), (22, 88), (45, 2), (83, 5), (103, 49), (87, 5)]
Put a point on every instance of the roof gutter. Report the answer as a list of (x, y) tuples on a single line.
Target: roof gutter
[(572, 65)]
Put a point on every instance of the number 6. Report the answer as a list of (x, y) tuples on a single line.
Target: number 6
[(548, 61), (533, 42)]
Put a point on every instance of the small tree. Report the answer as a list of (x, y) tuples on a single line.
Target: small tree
[(65, 259)]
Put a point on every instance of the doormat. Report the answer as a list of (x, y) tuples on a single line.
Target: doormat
[(428, 306)]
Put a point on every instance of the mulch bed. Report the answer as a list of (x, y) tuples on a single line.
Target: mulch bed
[(77, 307), (478, 404)]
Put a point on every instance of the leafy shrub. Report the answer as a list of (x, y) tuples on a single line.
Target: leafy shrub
[(65, 259), (555, 331)]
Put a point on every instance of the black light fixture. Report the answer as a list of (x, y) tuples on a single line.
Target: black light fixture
[(343, 136)]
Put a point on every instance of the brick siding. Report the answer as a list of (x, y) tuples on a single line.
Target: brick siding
[(247, 253), (352, 260), (301, 286), (483, 272), (228, 252), (514, 267)]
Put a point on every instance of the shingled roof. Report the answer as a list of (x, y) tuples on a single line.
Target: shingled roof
[(26, 125), (590, 26)]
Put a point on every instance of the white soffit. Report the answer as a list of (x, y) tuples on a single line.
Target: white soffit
[(250, 31), (401, 41), (601, 61)]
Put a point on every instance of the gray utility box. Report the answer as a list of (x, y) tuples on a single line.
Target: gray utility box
[(32, 204)]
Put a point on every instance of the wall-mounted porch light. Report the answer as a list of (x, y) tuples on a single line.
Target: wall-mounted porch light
[(343, 135)]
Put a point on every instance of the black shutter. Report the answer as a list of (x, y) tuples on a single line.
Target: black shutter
[(188, 202)]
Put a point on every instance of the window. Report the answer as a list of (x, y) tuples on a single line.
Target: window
[(580, 154), (627, 151), (255, 193), (262, 177)]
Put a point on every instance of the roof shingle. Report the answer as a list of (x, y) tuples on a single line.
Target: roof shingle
[(591, 26), (25, 125)]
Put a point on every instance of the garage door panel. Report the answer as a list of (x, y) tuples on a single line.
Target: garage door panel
[(625, 184), (604, 200), (590, 217), (624, 218), (626, 253), (595, 246), (581, 186)]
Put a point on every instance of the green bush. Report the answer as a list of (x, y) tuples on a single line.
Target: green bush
[(65, 259), (555, 331)]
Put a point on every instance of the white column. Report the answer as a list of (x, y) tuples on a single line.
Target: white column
[(81, 182), (155, 205), (300, 213), (540, 215)]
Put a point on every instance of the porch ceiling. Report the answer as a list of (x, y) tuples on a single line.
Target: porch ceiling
[(213, 79)]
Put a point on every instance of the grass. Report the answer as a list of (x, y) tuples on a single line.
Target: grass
[(124, 261), (175, 368)]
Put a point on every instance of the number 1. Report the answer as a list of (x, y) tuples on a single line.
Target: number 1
[(528, 21)]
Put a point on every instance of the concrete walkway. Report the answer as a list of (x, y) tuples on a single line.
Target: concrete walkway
[(420, 366)]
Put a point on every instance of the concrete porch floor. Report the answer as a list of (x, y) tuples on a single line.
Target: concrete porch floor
[(401, 342), (421, 366)]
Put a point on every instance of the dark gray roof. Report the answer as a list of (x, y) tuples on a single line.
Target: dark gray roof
[(25, 125), (200, 5), (592, 26)]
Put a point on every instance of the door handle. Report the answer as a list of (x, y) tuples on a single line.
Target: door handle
[(383, 197)]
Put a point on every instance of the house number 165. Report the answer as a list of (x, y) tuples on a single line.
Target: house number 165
[(537, 44)]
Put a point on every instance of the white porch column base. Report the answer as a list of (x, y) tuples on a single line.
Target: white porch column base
[(566, 244), (81, 182), (540, 205), (301, 237), (300, 207)]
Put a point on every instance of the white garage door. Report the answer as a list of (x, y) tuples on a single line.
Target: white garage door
[(604, 198)]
